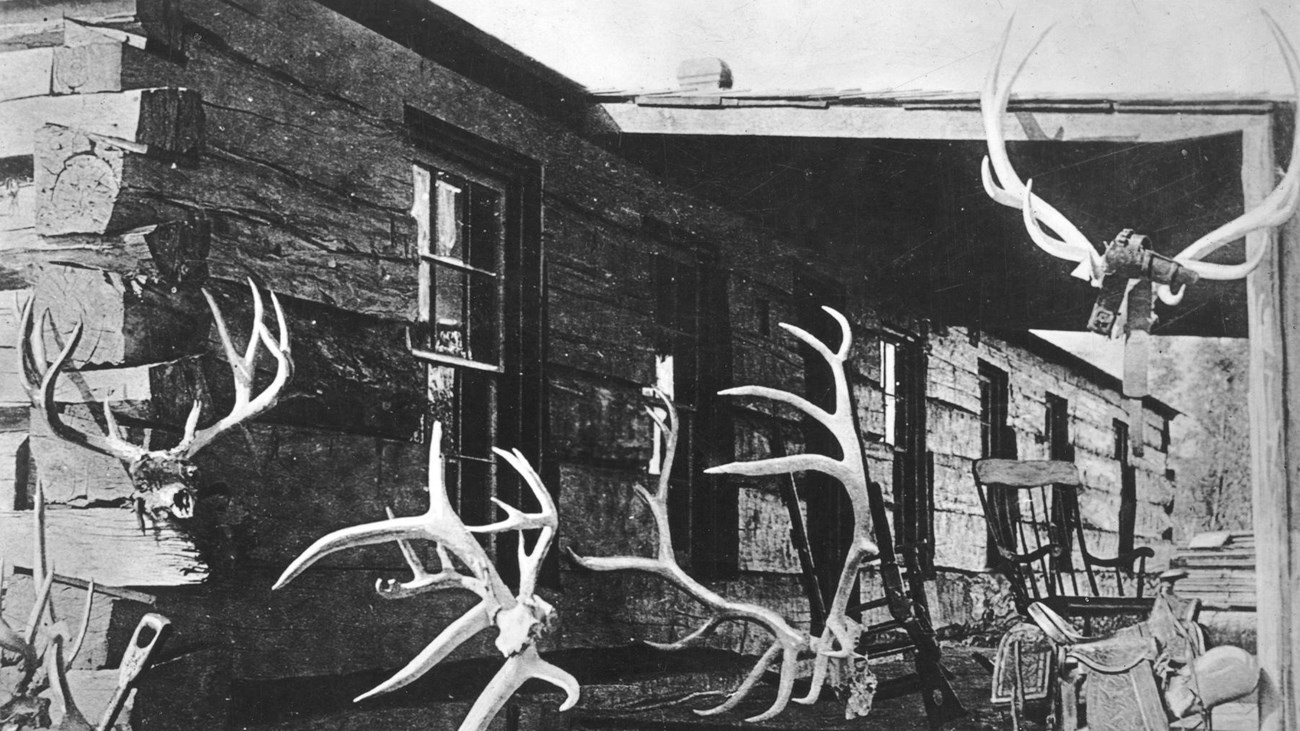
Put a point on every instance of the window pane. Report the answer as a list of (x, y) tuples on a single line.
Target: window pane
[(476, 487), (477, 392), (484, 317), (440, 393), (449, 306), (450, 218), (485, 228)]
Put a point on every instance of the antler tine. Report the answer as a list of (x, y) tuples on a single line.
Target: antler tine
[(85, 623), (1072, 244), (530, 562), (242, 369), (513, 674), (1274, 210), (664, 565), (56, 670), (452, 636), (421, 580), (32, 362)]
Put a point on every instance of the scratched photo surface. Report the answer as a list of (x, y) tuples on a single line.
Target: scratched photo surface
[(652, 364)]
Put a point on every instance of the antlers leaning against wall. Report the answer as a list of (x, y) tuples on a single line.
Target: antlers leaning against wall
[(1071, 244), (520, 616), (838, 641), (164, 480)]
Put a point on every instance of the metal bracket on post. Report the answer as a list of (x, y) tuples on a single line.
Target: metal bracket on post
[(1132, 269)]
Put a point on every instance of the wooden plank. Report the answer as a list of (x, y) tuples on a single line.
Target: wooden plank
[(880, 122), (163, 119), (104, 544), (1026, 473), (1272, 303)]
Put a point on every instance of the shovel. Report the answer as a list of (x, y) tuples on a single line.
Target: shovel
[(138, 656)]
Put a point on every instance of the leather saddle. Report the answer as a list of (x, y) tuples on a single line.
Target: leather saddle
[(1120, 674)]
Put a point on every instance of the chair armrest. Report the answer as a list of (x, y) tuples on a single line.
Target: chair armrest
[(1032, 556), (1124, 559)]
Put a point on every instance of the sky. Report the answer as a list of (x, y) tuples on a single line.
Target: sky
[(1095, 46)]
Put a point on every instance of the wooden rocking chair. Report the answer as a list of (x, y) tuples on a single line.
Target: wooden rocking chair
[(1032, 509)]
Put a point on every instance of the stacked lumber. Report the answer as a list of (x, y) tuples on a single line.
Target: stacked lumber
[(1220, 570)]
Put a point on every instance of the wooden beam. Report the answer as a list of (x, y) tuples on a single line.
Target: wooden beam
[(104, 544), (1273, 299), (169, 120), (108, 64), (880, 122), (27, 73), (37, 23)]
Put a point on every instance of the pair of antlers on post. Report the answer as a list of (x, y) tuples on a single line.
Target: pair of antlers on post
[(519, 616), (1071, 244), (163, 479), (838, 641)]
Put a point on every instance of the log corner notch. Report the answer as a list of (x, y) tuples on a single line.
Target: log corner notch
[(90, 183), (153, 25)]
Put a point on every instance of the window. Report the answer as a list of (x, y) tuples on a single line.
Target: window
[(889, 389), (1057, 433), (459, 238), (693, 363), (1056, 428), (997, 440), (478, 321), (903, 377), (1127, 489)]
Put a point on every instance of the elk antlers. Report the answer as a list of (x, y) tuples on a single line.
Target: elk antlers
[(519, 616), (1273, 210), (839, 639), (162, 478), (786, 640)]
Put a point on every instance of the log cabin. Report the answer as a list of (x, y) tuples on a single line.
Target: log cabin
[(459, 234)]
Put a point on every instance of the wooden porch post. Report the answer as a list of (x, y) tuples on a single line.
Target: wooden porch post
[(1273, 296)]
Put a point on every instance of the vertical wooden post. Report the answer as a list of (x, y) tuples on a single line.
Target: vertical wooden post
[(1273, 297)]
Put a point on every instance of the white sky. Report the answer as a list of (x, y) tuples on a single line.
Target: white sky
[(1096, 46)]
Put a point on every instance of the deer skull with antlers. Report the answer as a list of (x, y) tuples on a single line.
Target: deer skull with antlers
[(838, 642), (164, 480), (1128, 257), (519, 616)]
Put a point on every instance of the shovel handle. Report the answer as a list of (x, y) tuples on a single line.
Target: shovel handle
[(139, 653)]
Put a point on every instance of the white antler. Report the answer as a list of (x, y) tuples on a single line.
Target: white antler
[(39, 377), (1072, 244), (518, 616), (841, 633), (163, 478), (1274, 210), (246, 405), (786, 640)]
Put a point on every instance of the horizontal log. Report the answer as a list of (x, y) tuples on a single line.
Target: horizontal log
[(104, 544), (38, 23), (168, 120), (27, 73), (89, 67)]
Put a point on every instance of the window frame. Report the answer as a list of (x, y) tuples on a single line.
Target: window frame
[(520, 397)]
